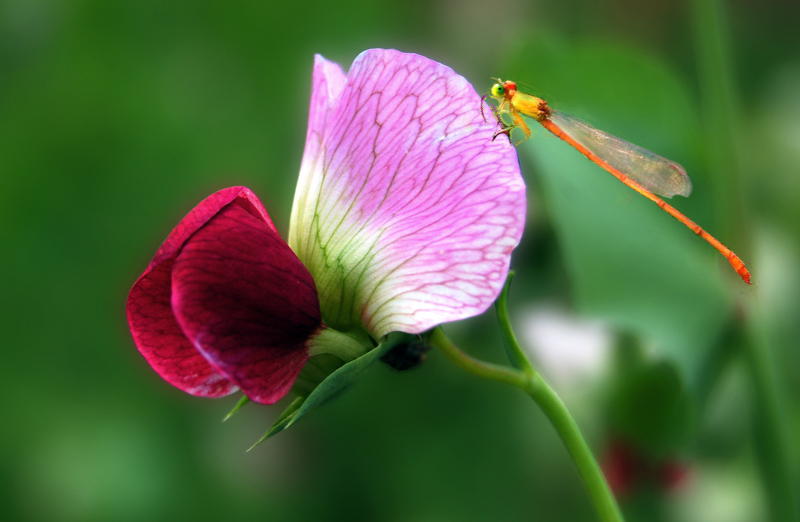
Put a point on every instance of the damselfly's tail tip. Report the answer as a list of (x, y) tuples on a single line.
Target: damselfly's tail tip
[(745, 275), (742, 270)]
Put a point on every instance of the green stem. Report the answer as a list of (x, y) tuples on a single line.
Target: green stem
[(515, 353), (567, 428), (553, 407)]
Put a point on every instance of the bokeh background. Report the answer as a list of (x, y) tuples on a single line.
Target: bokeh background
[(117, 117)]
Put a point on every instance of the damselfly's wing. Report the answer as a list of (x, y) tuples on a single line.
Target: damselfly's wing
[(655, 173)]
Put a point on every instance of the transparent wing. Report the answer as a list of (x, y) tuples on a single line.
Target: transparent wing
[(655, 173)]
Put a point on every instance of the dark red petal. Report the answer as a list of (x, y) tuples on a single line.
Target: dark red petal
[(204, 211), (157, 335), (246, 302)]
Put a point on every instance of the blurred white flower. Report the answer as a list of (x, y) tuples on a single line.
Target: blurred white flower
[(567, 349)]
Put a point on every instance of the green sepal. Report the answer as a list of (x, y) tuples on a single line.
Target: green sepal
[(333, 386), (282, 422), (342, 379), (239, 405), (316, 370)]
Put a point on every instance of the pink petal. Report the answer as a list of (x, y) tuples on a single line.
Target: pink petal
[(329, 80), (157, 335), (246, 302), (408, 215)]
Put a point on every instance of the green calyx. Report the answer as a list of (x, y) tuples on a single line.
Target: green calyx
[(344, 345), (321, 385), (329, 350)]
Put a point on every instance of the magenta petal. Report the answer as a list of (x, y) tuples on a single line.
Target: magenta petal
[(246, 302), (157, 335)]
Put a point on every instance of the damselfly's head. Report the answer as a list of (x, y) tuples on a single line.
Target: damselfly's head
[(503, 90)]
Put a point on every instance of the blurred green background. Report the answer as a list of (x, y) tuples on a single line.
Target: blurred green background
[(116, 118)]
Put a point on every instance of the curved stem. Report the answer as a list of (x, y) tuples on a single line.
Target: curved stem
[(555, 410), (551, 404), (513, 349), (493, 372)]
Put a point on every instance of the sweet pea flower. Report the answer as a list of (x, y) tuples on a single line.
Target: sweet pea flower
[(405, 216)]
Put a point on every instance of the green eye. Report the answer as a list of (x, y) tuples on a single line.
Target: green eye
[(498, 90)]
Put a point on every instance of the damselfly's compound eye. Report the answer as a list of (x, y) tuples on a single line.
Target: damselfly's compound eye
[(498, 90)]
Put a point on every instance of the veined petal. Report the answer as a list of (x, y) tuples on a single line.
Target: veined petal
[(407, 214), (328, 82), (246, 303), (155, 331)]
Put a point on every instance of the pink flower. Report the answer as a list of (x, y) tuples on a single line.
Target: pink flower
[(405, 216)]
